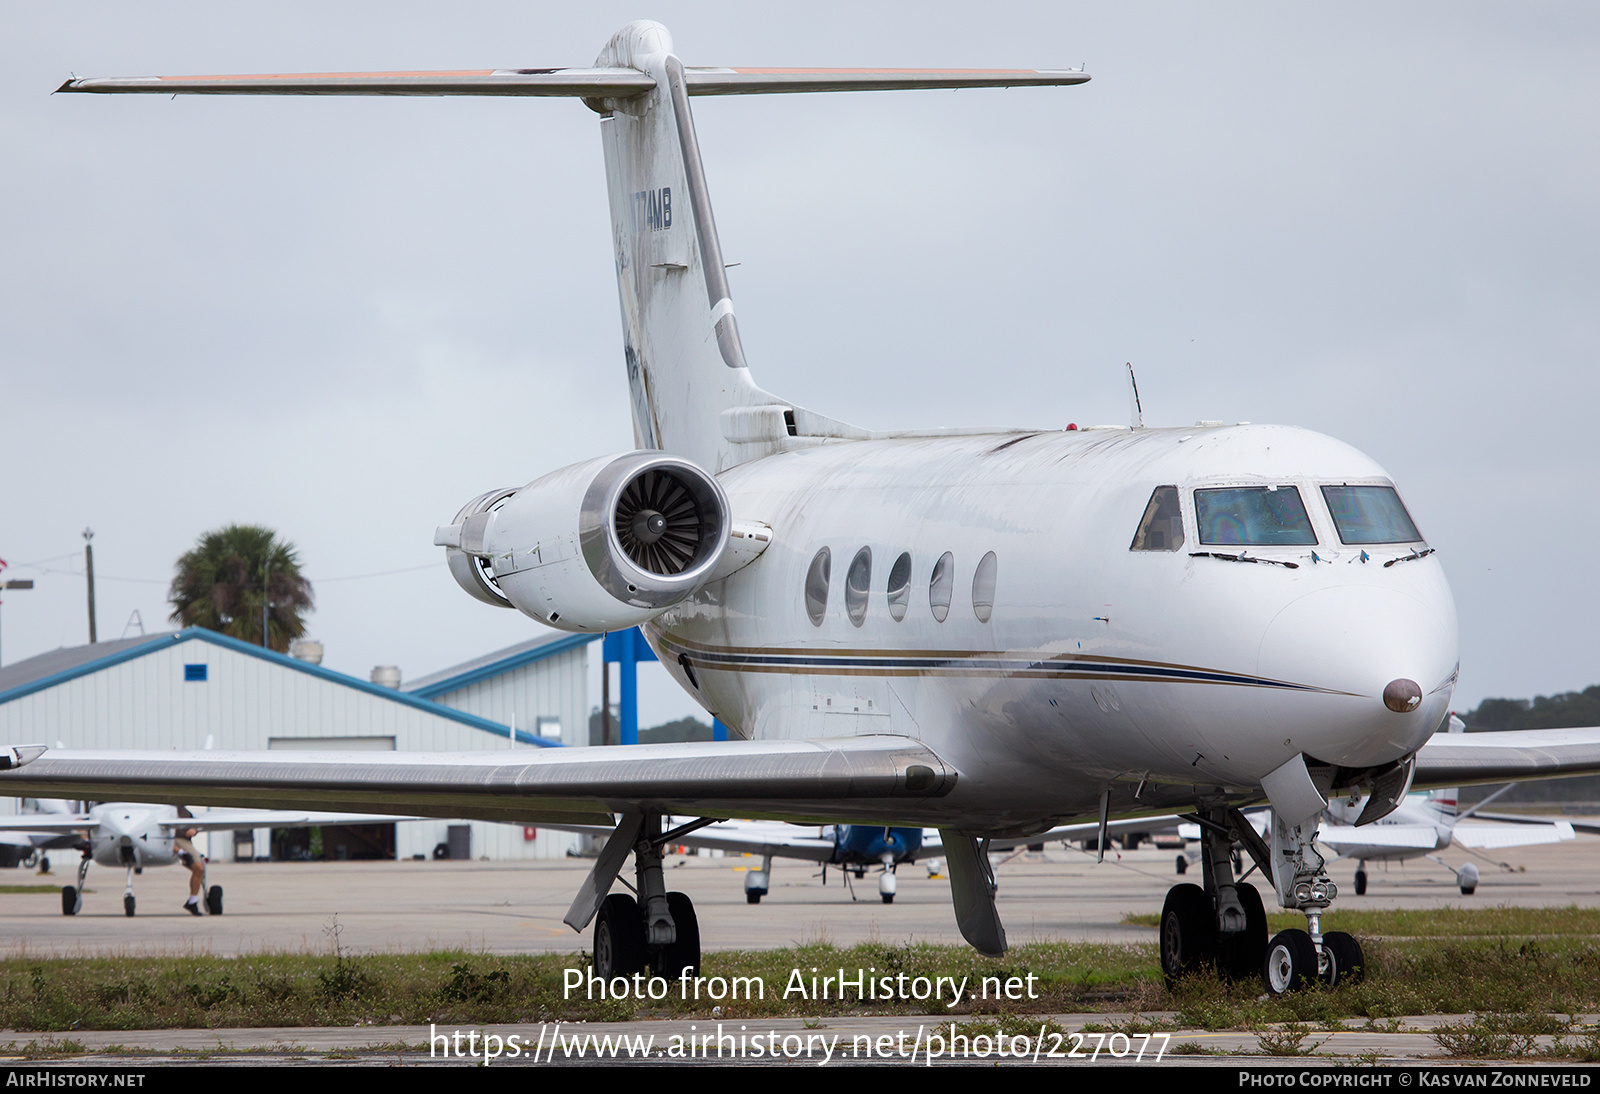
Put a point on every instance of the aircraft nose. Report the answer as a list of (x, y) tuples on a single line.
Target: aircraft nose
[(1402, 696), (1382, 662)]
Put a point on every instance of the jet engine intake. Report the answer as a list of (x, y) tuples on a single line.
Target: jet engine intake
[(600, 545)]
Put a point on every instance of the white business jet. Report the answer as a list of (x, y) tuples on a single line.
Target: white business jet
[(986, 632), (133, 836)]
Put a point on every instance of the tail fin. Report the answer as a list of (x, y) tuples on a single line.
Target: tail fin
[(680, 337), (691, 392)]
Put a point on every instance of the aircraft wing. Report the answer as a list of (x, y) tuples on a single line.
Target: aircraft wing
[(1463, 759), (1578, 825), (1512, 835), (1088, 830), (1398, 836), (878, 779), (218, 820), (47, 822)]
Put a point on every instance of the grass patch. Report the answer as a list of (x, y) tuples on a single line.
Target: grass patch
[(1498, 1036), (55, 889), (1555, 973)]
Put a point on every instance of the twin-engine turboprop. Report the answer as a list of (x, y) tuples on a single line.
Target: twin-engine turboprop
[(986, 632), (133, 835)]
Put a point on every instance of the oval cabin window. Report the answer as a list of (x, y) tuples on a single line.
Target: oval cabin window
[(900, 587), (817, 586), (983, 588), (941, 585), (858, 585)]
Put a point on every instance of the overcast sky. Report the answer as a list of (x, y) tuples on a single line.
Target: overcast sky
[(344, 317)]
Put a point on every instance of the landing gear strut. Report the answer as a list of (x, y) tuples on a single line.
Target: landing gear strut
[(757, 882), (658, 931), (72, 896), (1295, 958), (1222, 924)]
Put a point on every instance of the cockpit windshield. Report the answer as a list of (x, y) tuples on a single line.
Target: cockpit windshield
[(1369, 514), (1265, 516)]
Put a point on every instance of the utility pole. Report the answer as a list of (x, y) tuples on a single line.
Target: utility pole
[(88, 570), (266, 605)]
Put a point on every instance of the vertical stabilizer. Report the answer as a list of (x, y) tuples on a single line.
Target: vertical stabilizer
[(681, 344)]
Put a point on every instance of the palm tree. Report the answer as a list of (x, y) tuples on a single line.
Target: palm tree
[(232, 572)]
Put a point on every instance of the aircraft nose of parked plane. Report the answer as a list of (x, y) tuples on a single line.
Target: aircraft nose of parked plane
[(1382, 660)]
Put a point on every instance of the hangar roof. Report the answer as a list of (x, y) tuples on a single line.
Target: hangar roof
[(496, 663), (59, 666)]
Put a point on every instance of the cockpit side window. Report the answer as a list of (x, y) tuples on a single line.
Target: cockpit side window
[(1255, 516), (1369, 514), (1161, 528)]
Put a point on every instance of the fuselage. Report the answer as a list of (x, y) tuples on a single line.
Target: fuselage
[(1045, 658), (128, 834)]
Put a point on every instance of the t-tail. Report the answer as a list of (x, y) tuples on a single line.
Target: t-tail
[(690, 386)]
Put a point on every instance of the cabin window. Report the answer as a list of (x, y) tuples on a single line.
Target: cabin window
[(983, 588), (817, 586), (857, 586), (1254, 516), (1369, 514), (1161, 527), (900, 587), (941, 585)]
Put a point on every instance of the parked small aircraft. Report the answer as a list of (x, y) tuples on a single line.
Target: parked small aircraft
[(1424, 824), (134, 835)]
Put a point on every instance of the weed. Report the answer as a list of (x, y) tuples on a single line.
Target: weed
[(1288, 1041), (1500, 1036)]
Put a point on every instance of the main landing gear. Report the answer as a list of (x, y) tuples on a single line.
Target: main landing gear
[(72, 895), (1221, 924), (657, 931)]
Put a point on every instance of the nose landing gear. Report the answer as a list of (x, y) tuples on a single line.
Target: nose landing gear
[(1295, 959)]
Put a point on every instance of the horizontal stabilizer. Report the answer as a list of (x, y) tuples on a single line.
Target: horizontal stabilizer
[(617, 83), (582, 83), (769, 81)]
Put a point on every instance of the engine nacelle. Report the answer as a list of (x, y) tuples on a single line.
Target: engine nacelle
[(598, 546)]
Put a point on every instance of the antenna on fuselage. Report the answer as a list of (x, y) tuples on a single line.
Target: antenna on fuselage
[(1135, 411)]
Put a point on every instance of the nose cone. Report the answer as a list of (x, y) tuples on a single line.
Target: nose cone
[(1381, 665)]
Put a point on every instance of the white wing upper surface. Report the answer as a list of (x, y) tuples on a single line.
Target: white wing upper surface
[(857, 778), (1463, 759), (1492, 836)]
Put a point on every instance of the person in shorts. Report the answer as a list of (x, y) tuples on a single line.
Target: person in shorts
[(188, 856)]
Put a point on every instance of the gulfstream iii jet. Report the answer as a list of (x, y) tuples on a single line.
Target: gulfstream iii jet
[(988, 633)]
